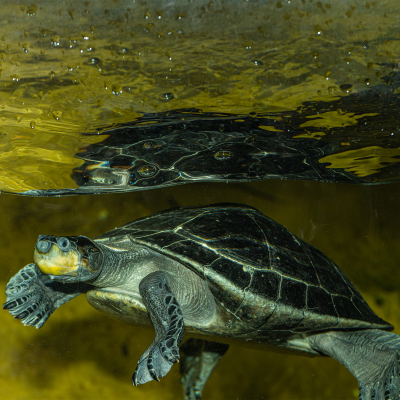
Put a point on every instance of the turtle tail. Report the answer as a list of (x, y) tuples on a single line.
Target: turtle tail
[(371, 355)]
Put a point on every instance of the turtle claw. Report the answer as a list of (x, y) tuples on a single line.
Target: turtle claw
[(22, 315), (153, 365), (11, 304), (28, 299), (154, 375)]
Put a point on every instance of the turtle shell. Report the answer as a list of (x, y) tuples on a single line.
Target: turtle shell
[(260, 272)]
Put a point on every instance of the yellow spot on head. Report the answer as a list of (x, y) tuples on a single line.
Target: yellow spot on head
[(56, 262)]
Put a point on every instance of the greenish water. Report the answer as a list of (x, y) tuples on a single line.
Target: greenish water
[(81, 68), (80, 353)]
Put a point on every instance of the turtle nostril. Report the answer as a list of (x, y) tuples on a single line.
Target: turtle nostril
[(43, 246)]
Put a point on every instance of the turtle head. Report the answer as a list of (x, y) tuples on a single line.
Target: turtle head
[(68, 258)]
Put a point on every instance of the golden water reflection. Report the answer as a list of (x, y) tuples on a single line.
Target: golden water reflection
[(75, 68)]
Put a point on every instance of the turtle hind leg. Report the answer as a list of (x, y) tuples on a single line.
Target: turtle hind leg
[(372, 356), (166, 316), (199, 358)]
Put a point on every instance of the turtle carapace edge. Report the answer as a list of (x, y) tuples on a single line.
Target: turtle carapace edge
[(224, 273)]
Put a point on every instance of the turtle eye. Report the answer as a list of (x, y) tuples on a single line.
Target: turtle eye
[(63, 243)]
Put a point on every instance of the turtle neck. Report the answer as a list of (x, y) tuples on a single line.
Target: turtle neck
[(116, 266)]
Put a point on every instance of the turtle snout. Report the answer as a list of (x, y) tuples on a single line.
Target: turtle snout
[(43, 246), (53, 256)]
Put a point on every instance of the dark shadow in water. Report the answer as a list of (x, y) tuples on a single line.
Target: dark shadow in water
[(94, 339), (115, 348)]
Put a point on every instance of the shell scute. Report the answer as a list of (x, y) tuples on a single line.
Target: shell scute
[(223, 226), (331, 283), (254, 311), (277, 235), (230, 271), (159, 239), (295, 268), (319, 301), (192, 250), (346, 308), (255, 256), (265, 284), (293, 293), (163, 221), (364, 308), (227, 281)]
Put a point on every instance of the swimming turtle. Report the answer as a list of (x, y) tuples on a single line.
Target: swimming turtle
[(225, 273)]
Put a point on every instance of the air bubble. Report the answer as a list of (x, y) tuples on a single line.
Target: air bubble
[(223, 155), (55, 41), (26, 47), (94, 61), (147, 170), (166, 96), (57, 115), (346, 88), (258, 62), (116, 89), (31, 10)]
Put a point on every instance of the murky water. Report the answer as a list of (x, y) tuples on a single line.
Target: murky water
[(80, 353), (326, 72)]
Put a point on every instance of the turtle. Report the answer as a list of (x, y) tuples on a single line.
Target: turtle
[(224, 273)]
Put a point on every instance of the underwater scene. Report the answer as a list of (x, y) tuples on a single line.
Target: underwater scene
[(115, 110)]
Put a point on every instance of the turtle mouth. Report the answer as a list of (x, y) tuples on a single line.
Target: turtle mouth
[(54, 261)]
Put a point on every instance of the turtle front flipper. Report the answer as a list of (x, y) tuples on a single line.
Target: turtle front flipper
[(371, 355), (32, 296), (166, 316), (28, 298), (200, 357)]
